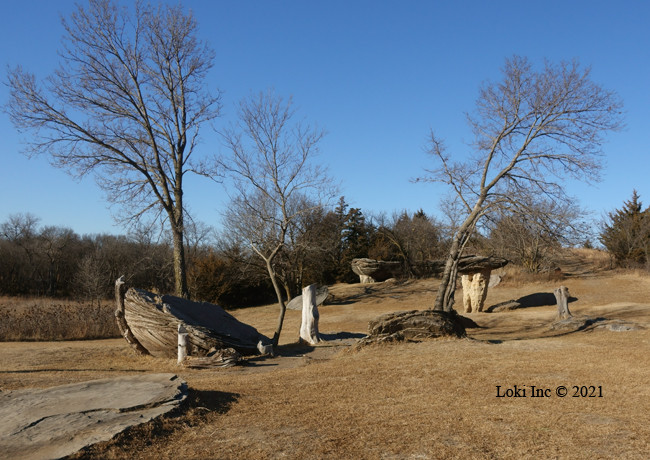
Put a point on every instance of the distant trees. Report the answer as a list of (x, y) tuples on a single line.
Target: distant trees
[(533, 129), (54, 261), (412, 240), (626, 233), (528, 237), (126, 103)]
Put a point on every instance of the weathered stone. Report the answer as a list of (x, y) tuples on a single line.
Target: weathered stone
[(321, 296), (562, 298), (467, 264), (475, 288), (417, 325), (54, 422), (370, 270), (310, 316), (495, 280), (476, 264), (153, 321)]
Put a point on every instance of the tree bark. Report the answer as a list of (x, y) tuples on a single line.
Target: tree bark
[(282, 305), (180, 272)]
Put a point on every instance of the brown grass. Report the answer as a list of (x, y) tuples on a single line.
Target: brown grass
[(435, 399), (47, 319)]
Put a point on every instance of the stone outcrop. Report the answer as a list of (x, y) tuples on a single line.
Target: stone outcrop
[(414, 325), (310, 316), (151, 321), (322, 292), (371, 271), (476, 277), (475, 289), (55, 422)]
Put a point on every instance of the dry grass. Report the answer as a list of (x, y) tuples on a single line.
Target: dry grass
[(434, 399), (47, 319)]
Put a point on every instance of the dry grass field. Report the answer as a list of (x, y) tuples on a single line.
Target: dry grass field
[(434, 399)]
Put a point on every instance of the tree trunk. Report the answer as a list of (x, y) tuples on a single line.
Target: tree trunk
[(283, 306), (445, 296), (180, 273)]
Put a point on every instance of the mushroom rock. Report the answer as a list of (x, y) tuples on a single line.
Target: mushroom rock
[(476, 273), (370, 270)]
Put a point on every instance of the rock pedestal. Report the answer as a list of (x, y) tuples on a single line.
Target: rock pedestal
[(475, 289), (370, 270), (476, 273), (310, 316), (562, 298)]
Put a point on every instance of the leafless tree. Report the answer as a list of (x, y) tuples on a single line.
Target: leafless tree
[(533, 233), (271, 166), (533, 130), (126, 103)]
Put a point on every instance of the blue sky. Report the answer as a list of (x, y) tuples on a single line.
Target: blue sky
[(376, 75)]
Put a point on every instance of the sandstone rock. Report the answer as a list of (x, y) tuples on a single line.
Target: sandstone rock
[(54, 422), (413, 325), (309, 325), (321, 296), (152, 322), (475, 288), (370, 270)]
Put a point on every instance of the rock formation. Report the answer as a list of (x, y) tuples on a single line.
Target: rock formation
[(150, 323), (59, 421), (371, 271), (322, 292), (309, 325), (476, 273), (413, 325)]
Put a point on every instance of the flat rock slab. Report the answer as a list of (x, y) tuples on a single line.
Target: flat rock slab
[(54, 422)]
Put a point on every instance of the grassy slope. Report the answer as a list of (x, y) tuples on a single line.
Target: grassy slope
[(435, 399)]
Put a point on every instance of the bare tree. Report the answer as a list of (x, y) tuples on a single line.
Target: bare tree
[(273, 173), (126, 103), (533, 130), (533, 233)]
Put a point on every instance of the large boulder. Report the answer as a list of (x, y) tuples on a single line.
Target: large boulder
[(414, 325), (59, 421), (370, 270), (468, 264)]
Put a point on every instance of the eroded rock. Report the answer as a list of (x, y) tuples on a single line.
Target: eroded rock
[(370, 270), (55, 422), (414, 325)]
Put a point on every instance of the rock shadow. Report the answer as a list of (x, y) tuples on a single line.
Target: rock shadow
[(212, 400)]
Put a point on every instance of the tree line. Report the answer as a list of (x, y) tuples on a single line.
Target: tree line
[(41, 260), (54, 261)]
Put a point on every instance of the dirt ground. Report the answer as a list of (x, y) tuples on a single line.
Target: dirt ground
[(496, 394)]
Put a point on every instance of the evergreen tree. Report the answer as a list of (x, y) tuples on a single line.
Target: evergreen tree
[(626, 234)]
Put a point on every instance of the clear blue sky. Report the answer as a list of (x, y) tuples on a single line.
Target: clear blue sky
[(376, 75)]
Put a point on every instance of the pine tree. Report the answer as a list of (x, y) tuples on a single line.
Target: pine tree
[(626, 235)]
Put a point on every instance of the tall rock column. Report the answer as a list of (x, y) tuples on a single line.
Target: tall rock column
[(475, 289)]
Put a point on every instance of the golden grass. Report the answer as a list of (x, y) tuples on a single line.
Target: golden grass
[(435, 399), (52, 319)]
